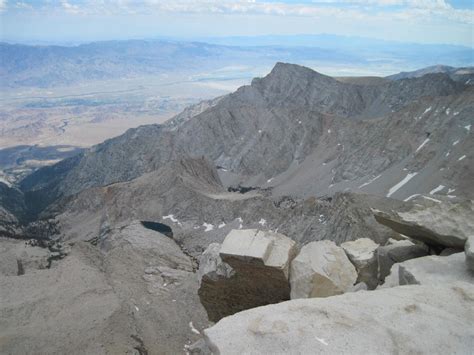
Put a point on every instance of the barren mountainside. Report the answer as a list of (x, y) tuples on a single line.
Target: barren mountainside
[(296, 126)]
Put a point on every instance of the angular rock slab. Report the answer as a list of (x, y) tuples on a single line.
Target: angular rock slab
[(259, 261), (435, 270), (362, 253), (445, 224), (469, 251), (400, 320), (397, 252), (321, 269)]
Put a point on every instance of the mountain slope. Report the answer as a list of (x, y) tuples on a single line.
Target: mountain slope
[(458, 74), (310, 133)]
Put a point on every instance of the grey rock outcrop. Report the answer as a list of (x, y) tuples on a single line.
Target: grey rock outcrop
[(397, 252), (260, 264), (135, 289), (211, 264), (376, 322), (362, 253), (435, 270), (469, 251), (18, 257), (441, 224), (321, 269)]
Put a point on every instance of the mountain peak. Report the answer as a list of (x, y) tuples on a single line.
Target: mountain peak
[(285, 74)]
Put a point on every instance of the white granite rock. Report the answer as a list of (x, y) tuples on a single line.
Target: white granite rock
[(250, 269), (362, 253), (435, 270), (443, 224), (469, 251), (397, 252), (400, 320), (321, 269)]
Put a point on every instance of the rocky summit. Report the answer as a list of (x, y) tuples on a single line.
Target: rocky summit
[(300, 214)]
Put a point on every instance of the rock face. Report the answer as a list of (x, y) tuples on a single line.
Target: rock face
[(397, 252), (134, 290), (321, 269), (260, 264), (442, 224), (19, 258), (377, 322), (211, 264), (362, 253), (435, 270), (469, 251)]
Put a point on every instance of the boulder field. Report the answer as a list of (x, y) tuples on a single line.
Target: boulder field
[(420, 299)]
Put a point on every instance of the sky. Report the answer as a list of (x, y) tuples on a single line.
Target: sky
[(62, 21)]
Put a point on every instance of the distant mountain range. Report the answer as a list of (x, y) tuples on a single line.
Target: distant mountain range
[(45, 66), (458, 74)]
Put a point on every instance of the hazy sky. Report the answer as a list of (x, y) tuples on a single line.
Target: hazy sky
[(425, 21)]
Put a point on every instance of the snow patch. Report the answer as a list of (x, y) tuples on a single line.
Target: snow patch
[(208, 227), (400, 184), (451, 190), (447, 154), (222, 225), (411, 197), (194, 330), (447, 111), (426, 111), (262, 222), (422, 144), (437, 189), (269, 180), (461, 158), (329, 131), (322, 341), (455, 142), (468, 127), (171, 217), (431, 199), (369, 182), (6, 182)]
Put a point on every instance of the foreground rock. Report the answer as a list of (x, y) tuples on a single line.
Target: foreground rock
[(256, 274), (397, 252), (134, 292), (18, 257), (362, 253), (446, 225), (469, 251), (321, 269), (435, 270), (403, 320)]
